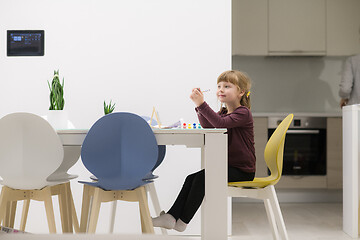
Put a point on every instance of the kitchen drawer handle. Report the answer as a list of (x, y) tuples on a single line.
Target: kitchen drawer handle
[(304, 131)]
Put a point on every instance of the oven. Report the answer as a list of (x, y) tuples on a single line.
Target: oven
[(305, 145)]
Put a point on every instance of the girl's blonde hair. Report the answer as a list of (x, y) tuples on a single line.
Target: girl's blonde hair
[(241, 80)]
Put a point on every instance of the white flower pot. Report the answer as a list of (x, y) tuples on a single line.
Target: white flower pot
[(58, 119)]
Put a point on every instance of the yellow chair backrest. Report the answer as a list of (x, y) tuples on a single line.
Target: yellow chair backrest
[(274, 149), (273, 155)]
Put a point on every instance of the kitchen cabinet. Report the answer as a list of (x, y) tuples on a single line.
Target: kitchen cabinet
[(278, 27), (297, 27), (334, 153), (343, 23), (250, 27)]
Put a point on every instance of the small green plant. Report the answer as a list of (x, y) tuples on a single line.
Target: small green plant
[(56, 93), (108, 108)]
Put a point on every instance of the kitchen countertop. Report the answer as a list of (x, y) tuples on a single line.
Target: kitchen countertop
[(298, 114)]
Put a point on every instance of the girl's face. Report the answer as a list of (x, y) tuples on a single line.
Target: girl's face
[(229, 93)]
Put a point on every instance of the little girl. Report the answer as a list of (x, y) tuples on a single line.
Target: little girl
[(233, 91)]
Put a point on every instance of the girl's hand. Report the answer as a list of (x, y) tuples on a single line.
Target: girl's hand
[(197, 96)]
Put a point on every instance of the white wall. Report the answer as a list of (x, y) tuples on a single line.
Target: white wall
[(138, 53)]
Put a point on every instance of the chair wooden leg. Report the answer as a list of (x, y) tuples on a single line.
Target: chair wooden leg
[(90, 207), (63, 209), (68, 207), (49, 209), (142, 220), (112, 216), (95, 210), (9, 197), (142, 217), (150, 188), (12, 214), (7, 214), (85, 209), (271, 218), (73, 216), (4, 198), (144, 210), (24, 214), (277, 212)]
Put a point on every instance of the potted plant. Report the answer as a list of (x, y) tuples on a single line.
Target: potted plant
[(57, 117), (108, 108), (56, 93)]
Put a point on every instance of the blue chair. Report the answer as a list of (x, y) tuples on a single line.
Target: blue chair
[(120, 149), (161, 154), (149, 176), (150, 188)]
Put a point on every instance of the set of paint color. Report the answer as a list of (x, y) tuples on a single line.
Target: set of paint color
[(191, 126)]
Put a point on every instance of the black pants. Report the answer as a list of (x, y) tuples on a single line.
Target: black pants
[(193, 192)]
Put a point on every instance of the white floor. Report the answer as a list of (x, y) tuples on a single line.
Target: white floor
[(310, 221), (303, 221)]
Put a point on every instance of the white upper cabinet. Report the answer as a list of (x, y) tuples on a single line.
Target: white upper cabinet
[(297, 27), (250, 27), (343, 26)]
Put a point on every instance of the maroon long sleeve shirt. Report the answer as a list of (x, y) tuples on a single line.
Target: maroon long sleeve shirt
[(240, 126)]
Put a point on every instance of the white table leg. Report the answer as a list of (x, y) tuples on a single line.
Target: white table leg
[(214, 209)]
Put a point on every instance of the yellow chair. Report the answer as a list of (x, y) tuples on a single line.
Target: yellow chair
[(263, 188)]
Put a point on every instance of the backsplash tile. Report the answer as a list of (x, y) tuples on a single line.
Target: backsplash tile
[(293, 84)]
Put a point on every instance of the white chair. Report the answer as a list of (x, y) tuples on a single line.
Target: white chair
[(30, 150)]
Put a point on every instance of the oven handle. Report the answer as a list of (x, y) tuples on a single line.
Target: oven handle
[(303, 131)]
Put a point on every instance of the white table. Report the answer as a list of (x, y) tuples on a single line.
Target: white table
[(213, 144)]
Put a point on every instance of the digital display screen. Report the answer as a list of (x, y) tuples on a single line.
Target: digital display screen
[(25, 42), (297, 122)]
